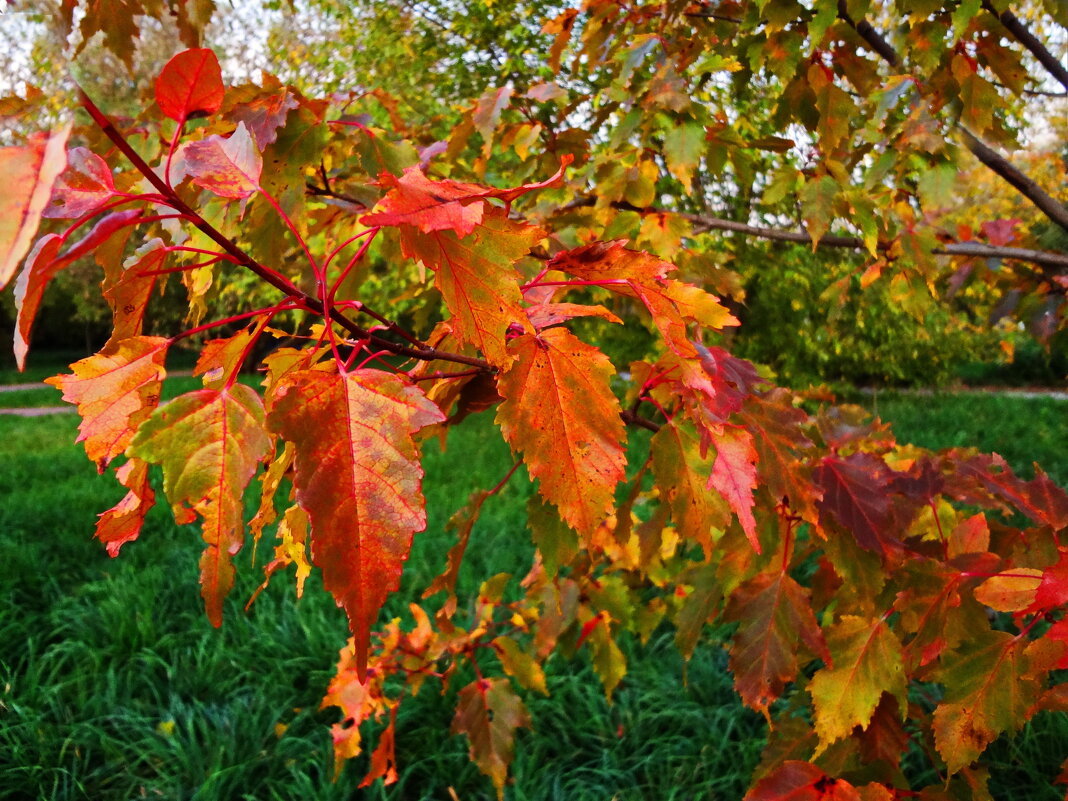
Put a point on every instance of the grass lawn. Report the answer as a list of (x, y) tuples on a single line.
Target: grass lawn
[(114, 685)]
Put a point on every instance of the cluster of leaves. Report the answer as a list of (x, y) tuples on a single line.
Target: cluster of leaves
[(888, 601)]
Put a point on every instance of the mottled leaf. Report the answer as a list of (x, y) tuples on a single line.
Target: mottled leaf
[(82, 187), (867, 662), (115, 391), (210, 443), (122, 523), (489, 712), (228, 166), (27, 173), (560, 413), (358, 476)]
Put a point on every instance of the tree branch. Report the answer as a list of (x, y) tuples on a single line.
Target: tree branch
[(1014, 26), (986, 154), (1057, 212), (1055, 261), (243, 259)]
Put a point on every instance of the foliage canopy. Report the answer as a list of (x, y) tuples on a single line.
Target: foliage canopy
[(405, 264)]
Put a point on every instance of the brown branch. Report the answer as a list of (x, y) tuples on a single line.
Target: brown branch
[(633, 419), (1043, 258), (1057, 212), (279, 282), (986, 154), (1014, 26), (873, 38)]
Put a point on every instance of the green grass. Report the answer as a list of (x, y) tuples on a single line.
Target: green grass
[(114, 685)]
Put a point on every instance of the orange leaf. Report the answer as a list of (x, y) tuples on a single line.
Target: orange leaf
[(476, 278), (190, 85), (45, 262), (1010, 591), (801, 781), (122, 523), (230, 167), (560, 412), (115, 390), (27, 173), (358, 476), (210, 443)]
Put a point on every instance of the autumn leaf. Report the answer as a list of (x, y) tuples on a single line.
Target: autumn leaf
[(988, 691), (228, 166), (801, 781), (867, 662), (45, 262), (358, 476), (190, 85), (210, 443), (855, 494), (115, 391), (489, 712), (559, 411), (427, 205), (462, 523), (734, 476), (28, 173), (683, 474), (122, 523), (775, 616), (85, 185), (476, 278)]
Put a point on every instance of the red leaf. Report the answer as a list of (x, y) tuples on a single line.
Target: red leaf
[(999, 232), (45, 262), (265, 115), (775, 616), (190, 85), (28, 173), (122, 523), (413, 199), (801, 781), (358, 476), (855, 494), (82, 187), (229, 167), (115, 391), (734, 476), (560, 412)]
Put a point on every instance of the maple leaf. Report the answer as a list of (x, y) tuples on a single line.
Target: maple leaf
[(28, 173), (855, 494), (734, 476), (989, 690), (1040, 499), (122, 523), (190, 85), (358, 476), (779, 440), (228, 166), (489, 712), (44, 263), (115, 390), (210, 443), (545, 315), (128, 292), (476, 278), (867, 662), (672, 304), (462, 522), (683, 475), (428, 205), (801, 781), (82, 187), (265, 115), (775, 616), (559, 411)]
